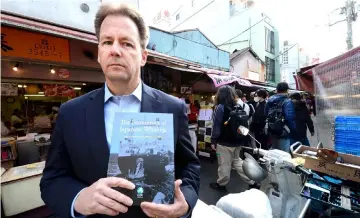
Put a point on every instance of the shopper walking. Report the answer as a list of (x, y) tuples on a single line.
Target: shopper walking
[(257, 125), (303, 120), (280, 114), (224, 138)]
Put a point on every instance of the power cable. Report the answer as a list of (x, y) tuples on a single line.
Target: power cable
[(242, 32), (193, 14)]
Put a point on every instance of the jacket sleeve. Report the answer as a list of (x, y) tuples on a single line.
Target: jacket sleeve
[(217, 119), (266, 108), (187, 163), (58, 184), (289, 112), (309, 121)]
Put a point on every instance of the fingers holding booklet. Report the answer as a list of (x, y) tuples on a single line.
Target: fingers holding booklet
[(101, 198), (177, 209)]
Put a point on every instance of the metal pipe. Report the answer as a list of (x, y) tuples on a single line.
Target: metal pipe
[(304, 210)]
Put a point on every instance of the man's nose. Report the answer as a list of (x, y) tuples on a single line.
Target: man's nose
[(116, 49)]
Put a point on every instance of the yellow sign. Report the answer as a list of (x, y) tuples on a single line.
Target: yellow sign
[(30, 45)]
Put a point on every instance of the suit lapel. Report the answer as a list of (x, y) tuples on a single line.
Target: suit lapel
[(95, 126), (149, 102)]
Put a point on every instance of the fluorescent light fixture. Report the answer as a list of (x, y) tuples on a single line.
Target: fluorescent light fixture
[(20, 86), (334, 96), (26, 97), (77, 88), (34, 95), (84, 84), (40, 93), (24, 86), (356, 96)]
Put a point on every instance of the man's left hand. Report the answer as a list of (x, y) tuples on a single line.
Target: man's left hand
[(178, 209)]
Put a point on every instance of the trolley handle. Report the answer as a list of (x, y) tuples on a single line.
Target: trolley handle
[(292, 147)]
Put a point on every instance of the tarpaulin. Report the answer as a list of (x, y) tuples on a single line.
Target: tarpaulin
[(304, 83)]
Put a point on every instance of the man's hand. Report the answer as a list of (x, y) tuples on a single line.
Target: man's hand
[(213, 147), (100, 198), (178, 209)]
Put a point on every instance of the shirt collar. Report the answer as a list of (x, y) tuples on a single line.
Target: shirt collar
[(137, 93)]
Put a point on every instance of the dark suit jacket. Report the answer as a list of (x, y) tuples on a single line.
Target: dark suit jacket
[(79, 154)]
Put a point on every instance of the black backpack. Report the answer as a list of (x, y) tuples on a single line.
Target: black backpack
[(276, 120), (237, 117)]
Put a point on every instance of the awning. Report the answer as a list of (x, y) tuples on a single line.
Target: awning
[(218, 77)]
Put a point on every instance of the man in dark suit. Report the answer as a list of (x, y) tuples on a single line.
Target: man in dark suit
[(74, 182)]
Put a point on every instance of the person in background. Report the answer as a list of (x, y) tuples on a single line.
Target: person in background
[(192, 111), (257, 125), (249, 111), (4, 130), (224, 140), (252, 102), (243, 98), (303, 120), (240, 101), (197, 105), (53, 115), (16, 120), (280, 101), (42, 120), (187, 103)]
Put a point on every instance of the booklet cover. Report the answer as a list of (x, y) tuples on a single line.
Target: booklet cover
[(142, 151)]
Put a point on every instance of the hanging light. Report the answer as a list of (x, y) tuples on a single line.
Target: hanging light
[(52, 71), (84, 84), (16, 67)]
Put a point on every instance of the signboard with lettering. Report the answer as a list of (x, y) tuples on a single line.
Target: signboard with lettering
[(186, 90), (31, 45), (220, 80), (9, 89)]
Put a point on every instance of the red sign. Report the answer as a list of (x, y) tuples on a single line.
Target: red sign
[(63, 73)]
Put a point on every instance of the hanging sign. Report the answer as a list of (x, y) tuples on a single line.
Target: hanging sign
[(63, 73), (30, 45), (220, 80), (186, 90), (9, 89)]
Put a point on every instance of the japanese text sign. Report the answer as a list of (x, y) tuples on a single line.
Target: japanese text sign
[(31, 45)]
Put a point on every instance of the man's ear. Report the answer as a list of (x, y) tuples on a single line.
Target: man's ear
[(144, 55)]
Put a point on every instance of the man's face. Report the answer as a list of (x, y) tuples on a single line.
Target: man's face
[(119, 51)]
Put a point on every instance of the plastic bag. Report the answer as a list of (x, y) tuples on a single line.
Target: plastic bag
[(252, 203)]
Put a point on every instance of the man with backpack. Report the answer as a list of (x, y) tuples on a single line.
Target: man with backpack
[(280, 121), (249, 109), (227, 138)]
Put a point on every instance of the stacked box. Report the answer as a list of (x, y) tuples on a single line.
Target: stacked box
[(204, 135)]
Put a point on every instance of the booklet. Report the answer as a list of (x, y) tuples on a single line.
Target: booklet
[(142, 151)]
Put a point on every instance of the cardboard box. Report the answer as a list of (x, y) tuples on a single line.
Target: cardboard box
[(342, 170)]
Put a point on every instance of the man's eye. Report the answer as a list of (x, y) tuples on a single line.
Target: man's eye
[(107, 43), (127, 44)]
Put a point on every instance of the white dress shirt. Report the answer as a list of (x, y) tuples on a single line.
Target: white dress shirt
[(112, 105)]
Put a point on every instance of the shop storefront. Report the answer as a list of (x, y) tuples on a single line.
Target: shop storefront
[(39, 72)]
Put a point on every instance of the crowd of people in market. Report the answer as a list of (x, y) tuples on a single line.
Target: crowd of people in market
[(275, 122)]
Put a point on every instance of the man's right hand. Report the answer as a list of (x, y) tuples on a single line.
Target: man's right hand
[(100, 198)]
